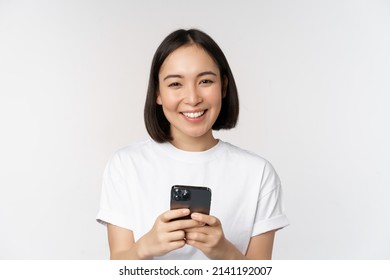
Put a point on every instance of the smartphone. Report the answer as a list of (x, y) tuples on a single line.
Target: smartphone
[(197, 199)]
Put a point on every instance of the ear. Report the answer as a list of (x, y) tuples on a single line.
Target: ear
[(225, 83), (158, 99)]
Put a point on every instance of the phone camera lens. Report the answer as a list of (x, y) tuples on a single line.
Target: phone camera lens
[(181, 194), (186, 195)]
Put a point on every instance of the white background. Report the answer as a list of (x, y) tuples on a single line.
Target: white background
[(314, 85)]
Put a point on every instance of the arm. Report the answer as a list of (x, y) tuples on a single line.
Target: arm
[(122, 244), (260, 246)]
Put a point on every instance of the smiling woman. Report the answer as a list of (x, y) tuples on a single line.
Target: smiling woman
[(191, 93), (191, 100), (155, 120)]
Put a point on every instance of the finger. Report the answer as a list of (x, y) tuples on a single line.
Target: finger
[(176, 244), (196, 244), (177, 235), (174, 214), (182, 224), (202, 229), (207, 219), (196, 236)]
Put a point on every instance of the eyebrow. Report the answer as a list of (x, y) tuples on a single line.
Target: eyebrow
[(199, 75)]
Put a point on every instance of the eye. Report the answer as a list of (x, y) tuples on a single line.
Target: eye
[(175, 84), (206, 82)]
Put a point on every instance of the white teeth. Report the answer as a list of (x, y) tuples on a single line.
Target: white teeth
[(194, 115)]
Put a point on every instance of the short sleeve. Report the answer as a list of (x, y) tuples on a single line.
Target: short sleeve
[(114, 196), (270, 210)]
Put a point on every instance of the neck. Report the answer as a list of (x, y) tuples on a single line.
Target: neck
[(198, 144)]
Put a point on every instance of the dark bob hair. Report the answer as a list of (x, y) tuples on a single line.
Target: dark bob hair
[(156, 123)]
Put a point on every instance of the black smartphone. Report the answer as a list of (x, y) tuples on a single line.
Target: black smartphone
[(197, 199)]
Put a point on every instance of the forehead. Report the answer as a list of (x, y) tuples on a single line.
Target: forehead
[(188, 59)]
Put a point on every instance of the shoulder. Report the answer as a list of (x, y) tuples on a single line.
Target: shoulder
[(249, 160), (243, 154)]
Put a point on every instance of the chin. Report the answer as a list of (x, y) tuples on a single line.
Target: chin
[(196, 134)]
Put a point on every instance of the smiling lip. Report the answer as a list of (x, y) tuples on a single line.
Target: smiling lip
[(194, 116)]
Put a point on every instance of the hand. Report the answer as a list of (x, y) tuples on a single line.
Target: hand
[(210, 239), (165, 235)]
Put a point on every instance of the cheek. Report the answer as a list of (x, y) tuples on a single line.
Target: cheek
[(169, 102), (215, 98)]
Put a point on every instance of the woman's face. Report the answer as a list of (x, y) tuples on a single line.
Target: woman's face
[(190, 92)]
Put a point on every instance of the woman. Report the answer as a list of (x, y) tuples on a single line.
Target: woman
[(191, 93)]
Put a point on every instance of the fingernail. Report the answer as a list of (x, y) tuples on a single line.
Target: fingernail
[(202, 224), (186, 211), (195, 216)]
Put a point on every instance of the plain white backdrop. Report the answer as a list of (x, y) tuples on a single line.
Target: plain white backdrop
[(314, 85)]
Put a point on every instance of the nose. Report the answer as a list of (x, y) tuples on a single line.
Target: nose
[(192, 97)]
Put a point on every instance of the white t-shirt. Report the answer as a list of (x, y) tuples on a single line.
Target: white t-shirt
[(246, 191)]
